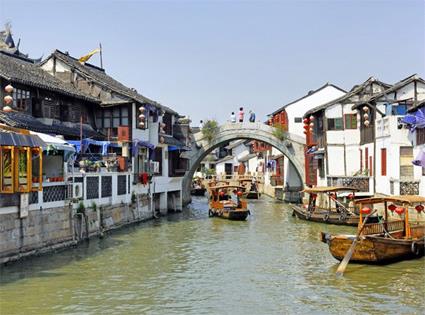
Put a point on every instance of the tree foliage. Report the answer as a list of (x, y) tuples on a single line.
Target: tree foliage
[(210, 129), (279, 132)]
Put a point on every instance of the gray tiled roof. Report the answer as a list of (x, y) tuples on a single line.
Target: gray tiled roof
[(99, 76), (25, 121), (307, 95), (395, 87), (21, 71), (356, 89)]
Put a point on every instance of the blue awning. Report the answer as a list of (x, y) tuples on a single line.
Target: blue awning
[(177, 148), (87, 142), (415, 120), (140, 143)]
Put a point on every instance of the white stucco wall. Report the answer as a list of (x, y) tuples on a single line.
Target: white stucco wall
[(335, 156), (299, 108)]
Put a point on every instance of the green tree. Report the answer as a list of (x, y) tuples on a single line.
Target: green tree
[(210, 129), (279, 132)]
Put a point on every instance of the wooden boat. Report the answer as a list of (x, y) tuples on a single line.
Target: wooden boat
[(198, 188), (250, 189), (222, 204), (388, 240), (336, 212)]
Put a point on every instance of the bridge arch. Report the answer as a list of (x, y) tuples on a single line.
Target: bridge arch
[(292, 148)]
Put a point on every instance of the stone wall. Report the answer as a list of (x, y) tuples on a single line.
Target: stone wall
[(44, 230)]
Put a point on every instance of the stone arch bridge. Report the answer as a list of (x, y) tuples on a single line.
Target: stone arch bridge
[(292, 148)]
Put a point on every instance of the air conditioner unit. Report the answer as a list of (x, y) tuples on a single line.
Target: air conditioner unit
[(77, 190), (154, 167)]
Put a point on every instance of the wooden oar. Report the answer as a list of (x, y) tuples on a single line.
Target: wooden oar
[(343, 265)]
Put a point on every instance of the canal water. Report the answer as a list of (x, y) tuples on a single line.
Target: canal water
[(188, 263)]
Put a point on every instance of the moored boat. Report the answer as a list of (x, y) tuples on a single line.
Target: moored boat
[(385, 241), (334, 212), (226, 202), (198, 188), (250, 188)]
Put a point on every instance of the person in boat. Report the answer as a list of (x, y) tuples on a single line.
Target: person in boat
[(254, 185), (236, 198)]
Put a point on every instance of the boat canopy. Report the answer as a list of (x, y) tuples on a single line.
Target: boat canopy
[(328, 189), (406, 199)]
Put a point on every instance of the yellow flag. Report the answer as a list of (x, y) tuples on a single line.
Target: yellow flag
[(88, 56)]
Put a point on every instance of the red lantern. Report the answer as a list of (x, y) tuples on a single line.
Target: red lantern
[(419, 208), (392, 208), (306, 127), (239, 193), (399, 210), (305, 121), (366, 210)]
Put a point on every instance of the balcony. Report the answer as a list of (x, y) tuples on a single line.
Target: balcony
[(404, 187), (363, 183)]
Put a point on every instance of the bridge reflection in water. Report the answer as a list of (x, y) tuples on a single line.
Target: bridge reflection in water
[(187, 263)]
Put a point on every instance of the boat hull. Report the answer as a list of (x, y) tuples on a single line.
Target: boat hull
[(324, 217), (374, 249), (235, 215), (252, 195), (198, 192)]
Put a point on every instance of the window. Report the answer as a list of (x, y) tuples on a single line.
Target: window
[(399, 110), (157, 157), (334, 123), (321, 167), (124, 116), (350, 121), (112, 118), (6, 169), (406, 166), (17, 168), (298, 120), (420, 136), (384, 162), (21, 99), (167, 119), (116, 117)]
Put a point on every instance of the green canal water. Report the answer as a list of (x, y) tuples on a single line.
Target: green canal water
[(187, 263)]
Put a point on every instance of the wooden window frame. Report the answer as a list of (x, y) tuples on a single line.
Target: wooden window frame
[(334, 120), (38, 151), (350, 121), (12, 170), (27, 152)]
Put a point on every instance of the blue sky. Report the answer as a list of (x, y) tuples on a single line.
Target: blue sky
[(207, 58)]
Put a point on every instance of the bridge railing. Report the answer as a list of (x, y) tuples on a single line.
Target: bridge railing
[(228, 126)]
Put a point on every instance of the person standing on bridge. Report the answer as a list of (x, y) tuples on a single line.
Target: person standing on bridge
[(241, 114), (233, 117), (251, 116)]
